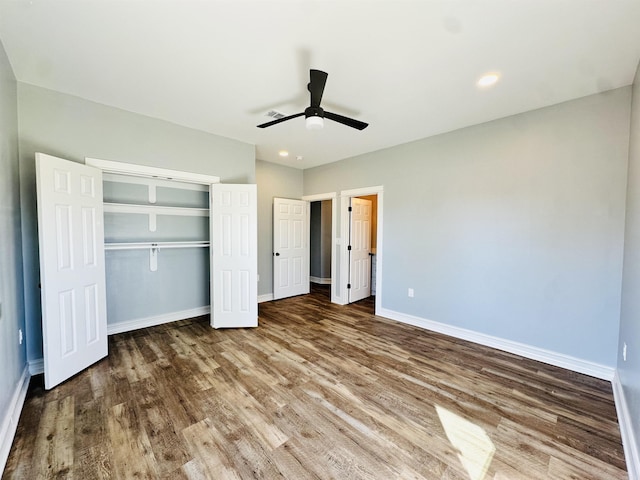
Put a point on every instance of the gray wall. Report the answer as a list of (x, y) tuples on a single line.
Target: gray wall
[(273, 181), (513, 228), (629, 370), (12, 355), (181, 280), (74, 128)]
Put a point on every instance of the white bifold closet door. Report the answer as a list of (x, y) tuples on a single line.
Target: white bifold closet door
[(72, 263), (72, 273), (234, 255)]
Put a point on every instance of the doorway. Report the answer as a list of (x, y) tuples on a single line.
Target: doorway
[(362, 247), (320, 241), (368, 193), (340, 241)]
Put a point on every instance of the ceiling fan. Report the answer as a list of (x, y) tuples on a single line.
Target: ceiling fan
[(314, 114)]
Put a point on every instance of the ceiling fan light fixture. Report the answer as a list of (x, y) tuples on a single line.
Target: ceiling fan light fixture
[(314, 123)]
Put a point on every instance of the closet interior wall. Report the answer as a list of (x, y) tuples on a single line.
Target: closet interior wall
[(156, 250)]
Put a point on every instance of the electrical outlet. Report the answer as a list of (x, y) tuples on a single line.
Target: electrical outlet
[(20, 336), (624, 351), (410, 293)]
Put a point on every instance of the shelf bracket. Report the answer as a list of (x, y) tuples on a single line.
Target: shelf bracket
[(152, 222), (152, 193), (153, 258)]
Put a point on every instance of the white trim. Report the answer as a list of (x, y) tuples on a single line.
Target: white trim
[(336, 293), (319, 197), (12, 416), (337, 289), (267, 297), (156, 245), (155, 209), (321, 281), (546, 356), (360, 192), (145, 171), (154, 182), (631, 452), (36, 367), (137, 323)]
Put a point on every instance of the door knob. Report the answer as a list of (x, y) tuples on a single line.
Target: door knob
[(277, 254)]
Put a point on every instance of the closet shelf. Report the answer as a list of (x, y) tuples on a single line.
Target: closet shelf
[(155, 209), (153, 245)]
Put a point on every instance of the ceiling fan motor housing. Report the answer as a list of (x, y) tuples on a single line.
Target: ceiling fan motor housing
[(314, 118), (313, 112)]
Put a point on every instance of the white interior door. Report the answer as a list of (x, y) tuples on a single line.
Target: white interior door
[(234, 256), (360, 248), (290, 247), (72, 273)]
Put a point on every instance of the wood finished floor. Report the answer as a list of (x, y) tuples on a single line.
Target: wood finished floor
[(317, 391)]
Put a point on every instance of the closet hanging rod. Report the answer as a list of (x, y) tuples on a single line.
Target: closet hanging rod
[(151, 245)]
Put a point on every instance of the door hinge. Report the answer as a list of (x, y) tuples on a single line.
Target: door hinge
[(348, 285), (350, 209), (349, 247)]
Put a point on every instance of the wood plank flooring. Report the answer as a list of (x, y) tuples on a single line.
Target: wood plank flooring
[(317, 391)]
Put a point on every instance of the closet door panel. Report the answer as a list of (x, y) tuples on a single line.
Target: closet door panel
[(234, 257), (72, 272)]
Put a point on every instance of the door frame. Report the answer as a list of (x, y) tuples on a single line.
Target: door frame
[(336, 291), (345, 198)]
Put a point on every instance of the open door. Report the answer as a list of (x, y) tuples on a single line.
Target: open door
[(360, 249), (234, 255), (72, 266), (290, 247)]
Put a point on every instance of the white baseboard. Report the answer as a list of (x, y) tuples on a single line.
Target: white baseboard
[(321, 281), (631, 452), (11, 417), (267, 297), (36, 367), (156, 320), (546, 356)]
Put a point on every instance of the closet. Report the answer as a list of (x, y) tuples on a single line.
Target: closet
[(156, 240), (125, 246)]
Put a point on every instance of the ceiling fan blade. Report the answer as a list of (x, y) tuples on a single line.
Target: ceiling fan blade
[(350, 122), (316, 86), (280, 120)]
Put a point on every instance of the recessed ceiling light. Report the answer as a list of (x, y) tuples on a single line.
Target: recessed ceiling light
[(283, 153), (488, 80)]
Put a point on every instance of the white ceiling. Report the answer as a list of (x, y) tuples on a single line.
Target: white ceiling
[(408, 68)]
